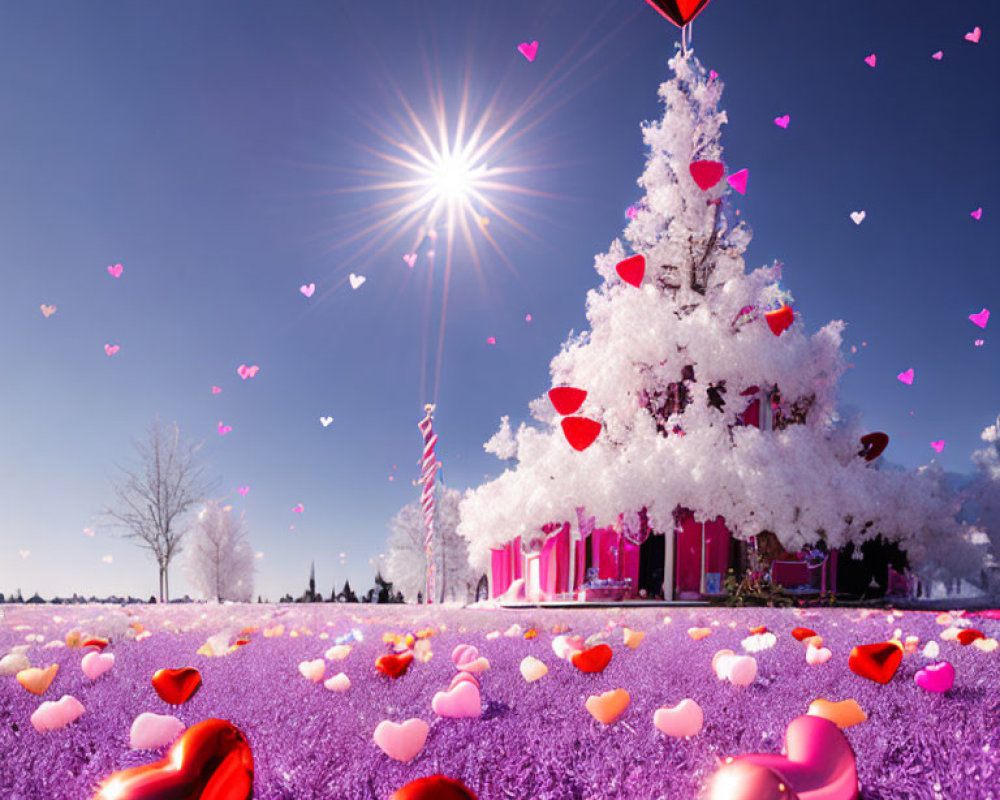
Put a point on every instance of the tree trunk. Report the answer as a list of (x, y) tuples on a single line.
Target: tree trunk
[(166, 585), (444, 573), (161, 582)]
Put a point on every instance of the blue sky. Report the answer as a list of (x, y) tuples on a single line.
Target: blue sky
[(200, 145)]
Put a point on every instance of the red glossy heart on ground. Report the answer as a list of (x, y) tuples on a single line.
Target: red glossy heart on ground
[(435, 787), (969, 635), (100, 644), (211, 761), (706, 173), (176, 686), (877, 662), (873, 445), (580, 432), (632, 269), (679, 12), (801, 634), (566, 399), (780, 320), (394, 666), (593, 660)]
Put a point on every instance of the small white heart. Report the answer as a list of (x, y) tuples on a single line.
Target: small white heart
[(357, 280), (858, 217), (325, 421)]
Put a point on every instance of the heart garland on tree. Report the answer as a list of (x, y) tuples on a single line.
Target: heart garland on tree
[(566, 399), (580, 432), (210, 761), (632, 269), (679, 12), (706, 173), (176, 686)]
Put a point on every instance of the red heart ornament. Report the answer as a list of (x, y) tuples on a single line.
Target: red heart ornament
[(394, 666), (100, 644), (679, 12), (211, 761), (817, 764), (593, 660), (580, 432), (632, 269), (758, 629), (969, 635), (435, 787), (873, 445), (877, 662), (176, 686), (801, 634), (566, 399), (778, 321), (706, 173)]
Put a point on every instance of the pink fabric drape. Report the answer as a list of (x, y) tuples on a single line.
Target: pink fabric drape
[(500, 563), (554, 562)]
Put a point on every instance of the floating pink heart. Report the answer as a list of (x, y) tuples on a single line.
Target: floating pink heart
[(410, 259), (981, 318), (870, 60), (528, 50), (111, 349), (712, 74), (116, 271), (461, 701), (403, 741), (243, 490), (938, 55), (216, 390), (527, 317), (52, 715), (308, 289), (906, 377), (491, 340), (977, 214), (631, 212), (150, 731), (247, 372), (224, 429), (939, 446), (298, 509), (96, 664), (979, 342), (782, 121), (939, 677), (973, 35), (738, 180)]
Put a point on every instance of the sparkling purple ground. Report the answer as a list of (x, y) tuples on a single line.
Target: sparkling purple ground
[(534, 741)]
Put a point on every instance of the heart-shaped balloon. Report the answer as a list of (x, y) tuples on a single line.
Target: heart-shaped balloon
[(632, 269), (402, 741), (566, 399), (779, 321), (684, 719), (679, 12), (176, 686), (938, 677), (394, 666), (609, 706), (843, 714), (211, 761), (580, 432), (877, 662), (818, 763), (593, 660), (435, 787), (706, 173), (461, 701)]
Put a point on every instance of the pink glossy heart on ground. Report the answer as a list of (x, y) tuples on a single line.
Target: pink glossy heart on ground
[(463, 677), (402, 741), (939, 677), (338, 683), (817, 655), (684, 719), (464, 654), (52, 715), (477, 667), (150, 731), (313, 670), (96, 664), (461, 701)]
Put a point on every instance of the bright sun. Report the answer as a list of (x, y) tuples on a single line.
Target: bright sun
[(452, 178)]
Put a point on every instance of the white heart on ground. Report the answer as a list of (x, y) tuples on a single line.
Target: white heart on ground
[(150, 731)]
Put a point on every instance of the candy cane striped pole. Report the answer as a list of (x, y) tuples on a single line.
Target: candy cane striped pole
[(428, 471)]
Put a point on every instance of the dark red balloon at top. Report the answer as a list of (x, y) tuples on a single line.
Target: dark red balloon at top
[(566, 399), (211, 761), (679, 12), (436, 787), (873, 445)]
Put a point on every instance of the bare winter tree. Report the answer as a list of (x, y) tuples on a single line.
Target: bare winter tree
[(153, 498), (219, 559), (406, 564)]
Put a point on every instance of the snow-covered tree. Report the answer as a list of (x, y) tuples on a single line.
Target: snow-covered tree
[(406, 564), (219, 559), (983, 501), (670, 368)]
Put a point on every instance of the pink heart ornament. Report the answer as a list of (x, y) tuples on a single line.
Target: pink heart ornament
[(216, 390), (684, 719), (979, 342), (782, 121), (528, 50), (738, 180), (224, 429), (817, 655), (973, 35), (462, 700), (150, 731), (403, 741), (308, 289), (463, 677), (939, 446), (52, 715), (565, 646), (111, 349), (313, 670), (298, 509), (247, 372), (532, 669), (243, 490), (977, 214), (906, 377), (477, 667), (870, 60), (116, 271), (939, 677), (938, 55), (491, 340), (410, 259), (96, 664), (338, 683), (981, 318), (464, 654)]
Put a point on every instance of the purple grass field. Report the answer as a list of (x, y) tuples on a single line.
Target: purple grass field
[(534, 741)]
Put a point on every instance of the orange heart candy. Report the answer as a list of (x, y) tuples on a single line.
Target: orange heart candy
[(843, 714), (633, 638), (699, 633), (37, 680), (609, 706)]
